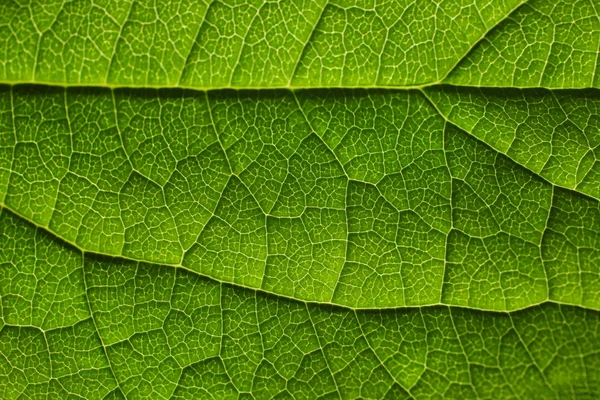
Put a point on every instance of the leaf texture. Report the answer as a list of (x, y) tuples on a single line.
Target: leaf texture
[(363, 199), (79, 325), (299, 199), (308, 43)]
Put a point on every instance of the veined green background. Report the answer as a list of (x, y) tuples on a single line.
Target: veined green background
[(299, 199)]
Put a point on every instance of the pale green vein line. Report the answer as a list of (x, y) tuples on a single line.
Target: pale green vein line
[(483, 36), (102, 345), (116, 45), (322, 350), (531, 357), (435, 105), (305, 45), (194, 41), (362, 332), (236, 64), (323, 303)]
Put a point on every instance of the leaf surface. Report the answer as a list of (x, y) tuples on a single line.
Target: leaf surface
[(90, 326), (402, 202), (308, 43)]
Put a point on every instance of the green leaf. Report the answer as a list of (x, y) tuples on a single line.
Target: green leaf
[(159, 331), (404, 202), (304, 43)]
